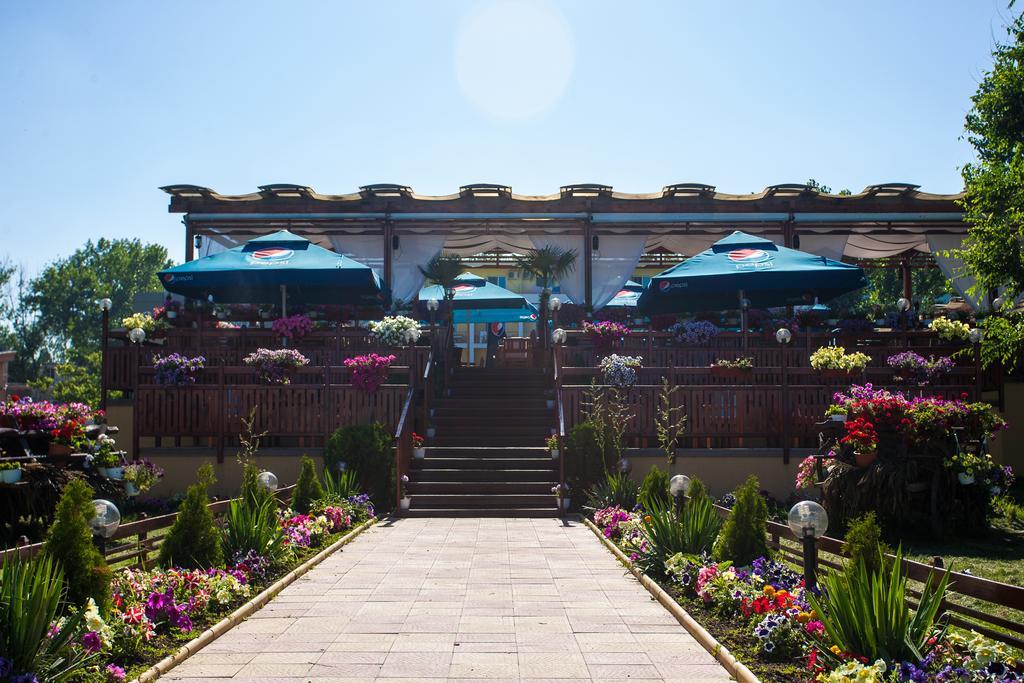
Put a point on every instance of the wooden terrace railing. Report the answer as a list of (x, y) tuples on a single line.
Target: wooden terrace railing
[(137, 542), (984, 621)]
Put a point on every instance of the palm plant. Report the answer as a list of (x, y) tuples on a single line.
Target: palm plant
[(865, 611), (30, 600), (444, 270), (548, 264), (248, 528), (617, 489)]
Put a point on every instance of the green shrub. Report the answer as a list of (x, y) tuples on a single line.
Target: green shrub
[(588, 456), (616, 489), (367, 450), (744, 536), (863, 543), (30, 600), (69, 542), (667, 535), (193, 541), (247, 528), (307, 488), (342, 486), (866, 611), (654, 493), (698, 490)]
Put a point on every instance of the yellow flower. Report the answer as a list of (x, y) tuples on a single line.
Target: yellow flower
[(647, 519), (835, 650), (803, 618), (769, 591)]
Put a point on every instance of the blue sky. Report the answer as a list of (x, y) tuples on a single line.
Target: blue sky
[(101, 103)]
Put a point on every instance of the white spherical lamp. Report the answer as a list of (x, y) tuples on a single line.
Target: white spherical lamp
[(267, 480), (137, 335), (783, 335), (106, 518)]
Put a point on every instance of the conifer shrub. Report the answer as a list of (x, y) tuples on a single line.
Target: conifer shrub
[(69, 542), (863, 543), (697, 491), (654, 493), (307, 489), (194, 541), (367, 450), (254, 495), (744, 536)]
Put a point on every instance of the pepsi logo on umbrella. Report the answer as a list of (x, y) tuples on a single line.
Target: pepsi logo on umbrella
[(748, 255), (271, 255)]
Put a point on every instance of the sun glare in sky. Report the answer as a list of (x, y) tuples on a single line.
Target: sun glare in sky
[(514, 58)]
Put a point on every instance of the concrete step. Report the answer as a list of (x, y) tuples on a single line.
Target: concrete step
[(414, 511), (419, 488), (483, 463), (483, 475), (484, 500)]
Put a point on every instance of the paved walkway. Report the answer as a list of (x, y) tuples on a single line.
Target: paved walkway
[(453, 599)]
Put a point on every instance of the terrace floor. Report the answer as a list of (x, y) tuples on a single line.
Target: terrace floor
[(454, 599)]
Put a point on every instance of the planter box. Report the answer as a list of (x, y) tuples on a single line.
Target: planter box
[(735, 373), (10, 476), (832, 373)]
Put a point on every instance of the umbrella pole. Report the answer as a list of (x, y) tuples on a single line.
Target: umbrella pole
[(743, 320), (284, 301)]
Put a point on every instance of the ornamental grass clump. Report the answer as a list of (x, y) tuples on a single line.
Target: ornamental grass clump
[(615, 490), (369, 372), (307, 488), (177, 370), (69, 542), (664, 535), (253, 530), (836, 358), (275, 365), (620, 371), (744, 536), (193, 541), (395, 330)]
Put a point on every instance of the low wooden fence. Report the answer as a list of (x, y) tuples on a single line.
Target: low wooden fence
[(138, 543), (988, 593)]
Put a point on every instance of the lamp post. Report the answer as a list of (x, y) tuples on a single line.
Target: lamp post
[(136, 336), (808, 521), (679, 486), (268, 480), (105, 521), (555, 304), (105, 306)]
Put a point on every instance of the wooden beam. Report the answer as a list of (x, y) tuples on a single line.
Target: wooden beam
[(588, 264), (389, 233), (190, 241)]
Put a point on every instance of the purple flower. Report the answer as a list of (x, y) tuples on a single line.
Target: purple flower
[(115, 673), (184, 623), (5, 667), (24, 678), (91, 641)]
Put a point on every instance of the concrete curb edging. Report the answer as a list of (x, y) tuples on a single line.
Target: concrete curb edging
[(224, 625), (735, 667)]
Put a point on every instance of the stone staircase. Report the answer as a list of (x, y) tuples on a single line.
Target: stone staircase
[(488, 458)]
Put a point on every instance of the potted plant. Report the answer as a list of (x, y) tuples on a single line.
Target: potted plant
[(106, 459), (740, 367), (139, 476), (862, 439), (970, 467), (68, 438), (10, 472), (833, 361), (561, 493), (369, 372), (694, 333), (836, 413), (275, 365), (177, 370), (552, 443), (406, 501), (915, 368), (292, 327), (620, 371), (605, 334), (395, 330), (418, 451), (950, 330)]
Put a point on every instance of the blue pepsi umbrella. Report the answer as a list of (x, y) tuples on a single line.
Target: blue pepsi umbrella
[(479, 301), (626, 297), (263, 269), (745, 266)]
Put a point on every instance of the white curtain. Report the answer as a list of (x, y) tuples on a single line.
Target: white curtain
[(467, 245), (215, 244), (367, 249), (829, 246), (688, 245), (413, 251), (952, 267), (881, 246), (573, 283), (614, 264)]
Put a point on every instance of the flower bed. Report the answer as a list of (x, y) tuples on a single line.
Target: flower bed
[(764, 615)]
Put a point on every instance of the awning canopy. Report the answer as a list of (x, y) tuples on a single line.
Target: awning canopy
[(256, 272), (767, 275)]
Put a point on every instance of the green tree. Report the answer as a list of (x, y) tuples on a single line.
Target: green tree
[(744, 537), (993, 252), (548, 264), (194, 542), (69, 541), (63, 297), (307, 489)]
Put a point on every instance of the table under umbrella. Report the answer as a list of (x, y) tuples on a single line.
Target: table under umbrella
[(743, 266), (278, 267)]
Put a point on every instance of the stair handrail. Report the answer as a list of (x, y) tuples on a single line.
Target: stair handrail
[(556, 363), (403, 446), (428, 389)]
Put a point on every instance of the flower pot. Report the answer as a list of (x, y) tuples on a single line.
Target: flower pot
[(554, 454), (834, 373), (419, 453), (58, 449), (965, 478), (130, 489), (171, 315), (115, 473), (10, 476), (717, 371), (404, 503), (865, 459), (837, 418)]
